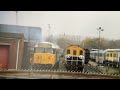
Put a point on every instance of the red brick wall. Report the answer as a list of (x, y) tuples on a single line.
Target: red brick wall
[(13, 51)]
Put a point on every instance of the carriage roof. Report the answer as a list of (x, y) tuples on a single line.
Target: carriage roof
[(107, 50)]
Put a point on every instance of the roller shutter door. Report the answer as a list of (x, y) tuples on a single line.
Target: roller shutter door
[(4, 50)]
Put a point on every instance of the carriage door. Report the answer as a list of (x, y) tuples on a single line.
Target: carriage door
[(118, 56)]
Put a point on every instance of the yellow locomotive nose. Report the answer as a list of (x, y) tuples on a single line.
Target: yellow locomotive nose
[(50, 58)]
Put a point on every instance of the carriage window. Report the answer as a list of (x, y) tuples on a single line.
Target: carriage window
[(81, 52), (107, 55), (95, 54), (100, 54), (68, 51), (74, 52), (114, 55), (110, 54)]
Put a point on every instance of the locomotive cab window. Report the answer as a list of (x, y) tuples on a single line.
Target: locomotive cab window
[(68, 51), (74, 52), (49, 50), (39, 50), (54, 51), (44, 50), (34, 50), (81, 52)]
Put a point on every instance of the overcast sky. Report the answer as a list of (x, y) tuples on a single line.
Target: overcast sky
[(83, 23)]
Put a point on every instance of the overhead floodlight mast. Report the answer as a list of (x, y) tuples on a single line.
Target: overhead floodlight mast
[(99, 30)]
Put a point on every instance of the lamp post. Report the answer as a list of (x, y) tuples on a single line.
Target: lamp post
[(16, 17), (99, 30)]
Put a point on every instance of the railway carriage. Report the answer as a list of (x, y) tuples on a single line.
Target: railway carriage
[(109, 57), (94, 56), (112, 58)]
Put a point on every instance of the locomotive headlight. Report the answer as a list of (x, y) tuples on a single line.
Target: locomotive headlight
[(80, 56), (68, 56)]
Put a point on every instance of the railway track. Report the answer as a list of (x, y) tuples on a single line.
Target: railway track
[(90, 68), (87, 68), (53, 74), (89, 72)]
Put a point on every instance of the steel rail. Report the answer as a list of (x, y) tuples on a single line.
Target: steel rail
[(38, 73)]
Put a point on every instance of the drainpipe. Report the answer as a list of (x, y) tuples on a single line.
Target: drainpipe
[(17, 54)]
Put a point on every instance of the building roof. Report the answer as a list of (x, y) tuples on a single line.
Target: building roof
[(12, 35), (30, 33)]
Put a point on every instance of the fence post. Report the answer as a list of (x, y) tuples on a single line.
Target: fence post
[(119, 65)]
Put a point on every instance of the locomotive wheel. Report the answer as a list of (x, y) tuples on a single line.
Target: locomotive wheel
[(114, 65), (80, 68), (104, 63), (73, 68), (67, 67)]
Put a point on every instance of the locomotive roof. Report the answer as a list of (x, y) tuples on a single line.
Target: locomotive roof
[(75, 46), (107, 50), (48, 45)]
